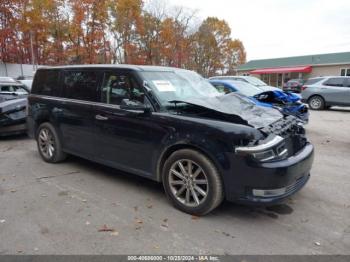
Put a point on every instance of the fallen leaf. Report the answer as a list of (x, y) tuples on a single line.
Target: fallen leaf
[(317, 243), (13, 190), (149, 206), (165, 220), (139, 221), (2, 221), (137, 227), (19, 251), (195, 217), (156, 247), (87, 223), (115, 233), (84, 200), (36, 249), (104, 228)]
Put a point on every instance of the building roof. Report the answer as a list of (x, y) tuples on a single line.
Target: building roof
[(321, 59)]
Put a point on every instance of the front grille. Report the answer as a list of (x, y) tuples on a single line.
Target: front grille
[(297, 184)]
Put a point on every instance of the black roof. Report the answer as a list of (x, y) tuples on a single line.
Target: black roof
[(114, 66)]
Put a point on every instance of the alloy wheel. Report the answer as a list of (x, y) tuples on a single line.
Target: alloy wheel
[(316, 103), (46, 143), (188, 183)]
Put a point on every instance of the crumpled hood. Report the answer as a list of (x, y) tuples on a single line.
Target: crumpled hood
[(235, 104), (14, 104)]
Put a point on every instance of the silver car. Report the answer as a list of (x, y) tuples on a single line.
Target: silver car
[(324, 92)]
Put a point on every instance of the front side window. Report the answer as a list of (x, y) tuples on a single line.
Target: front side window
[(13, 89), (339, 81), (81, 85), (118, 88)]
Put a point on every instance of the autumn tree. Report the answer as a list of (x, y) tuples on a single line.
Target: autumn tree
[(87, 31), (9, 12), (125, 24), (210, 45), (116, 31)]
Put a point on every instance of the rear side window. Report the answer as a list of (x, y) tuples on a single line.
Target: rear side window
[(81, 85), (313, 81), (46, 83), (339, 81)]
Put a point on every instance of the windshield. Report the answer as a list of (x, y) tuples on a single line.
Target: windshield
[(178, 85), (255, 81), (245, 88)]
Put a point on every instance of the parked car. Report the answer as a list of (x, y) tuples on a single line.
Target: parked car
[(13, 103), (324, 92), (26, 80), (172, 126), (287, 103), (293, 85)]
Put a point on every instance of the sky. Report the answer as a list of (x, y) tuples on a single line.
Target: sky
[(281, 28)]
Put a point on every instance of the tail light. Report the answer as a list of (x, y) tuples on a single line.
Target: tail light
[(303, 88)]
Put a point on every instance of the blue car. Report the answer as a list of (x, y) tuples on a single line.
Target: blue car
[(287, 103)]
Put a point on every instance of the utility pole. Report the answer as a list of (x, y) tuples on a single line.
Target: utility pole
[(32, 49)]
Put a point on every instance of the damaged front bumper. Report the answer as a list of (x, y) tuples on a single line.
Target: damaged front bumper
[(269, 183), (13, 123), (282, 169)]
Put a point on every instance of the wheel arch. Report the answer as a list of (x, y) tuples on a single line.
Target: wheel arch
[(317, 94), (171, 149)]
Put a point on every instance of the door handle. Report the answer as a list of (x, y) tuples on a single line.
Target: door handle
[(57, 110), (101, 118)]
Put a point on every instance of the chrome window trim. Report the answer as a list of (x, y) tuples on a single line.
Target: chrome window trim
[(77, 101)]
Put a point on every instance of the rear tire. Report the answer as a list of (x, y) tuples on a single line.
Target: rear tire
[(316, 103), (49, 144), (192, 182)]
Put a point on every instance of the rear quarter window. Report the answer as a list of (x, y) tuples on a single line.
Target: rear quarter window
[(313, 81), (46, 82)]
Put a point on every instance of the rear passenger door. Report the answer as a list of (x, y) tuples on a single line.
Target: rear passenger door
[(336, 91), (77, 122)]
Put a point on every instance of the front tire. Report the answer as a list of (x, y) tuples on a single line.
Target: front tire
[(192, 182), (49, 144), (316, 103)]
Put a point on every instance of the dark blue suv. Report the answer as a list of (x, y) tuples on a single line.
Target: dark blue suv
[(172, 126)]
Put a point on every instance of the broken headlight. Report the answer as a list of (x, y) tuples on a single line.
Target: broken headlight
[(275, 149)]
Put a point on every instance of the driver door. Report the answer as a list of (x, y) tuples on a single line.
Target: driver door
[(124, 137)]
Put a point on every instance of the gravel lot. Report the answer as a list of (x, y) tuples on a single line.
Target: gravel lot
[(60, 208)]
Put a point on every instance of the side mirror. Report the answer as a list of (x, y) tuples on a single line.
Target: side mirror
[(135, 106)]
